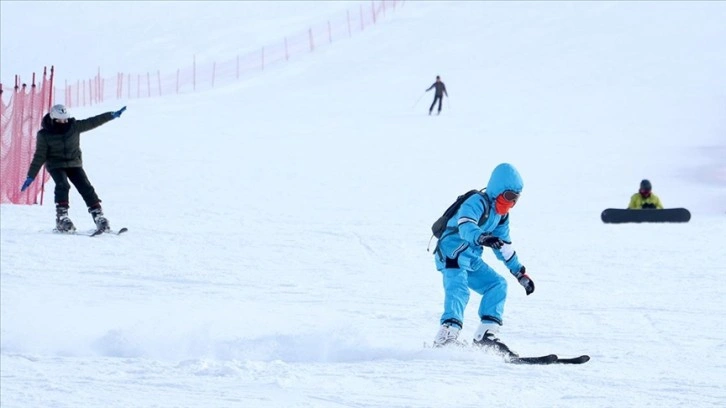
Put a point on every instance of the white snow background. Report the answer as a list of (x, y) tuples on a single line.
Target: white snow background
[(278, 226)]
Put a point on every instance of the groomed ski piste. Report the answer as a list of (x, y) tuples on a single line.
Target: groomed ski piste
[(276, 252)]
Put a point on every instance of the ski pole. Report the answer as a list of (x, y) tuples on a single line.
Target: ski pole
[(417, 100)]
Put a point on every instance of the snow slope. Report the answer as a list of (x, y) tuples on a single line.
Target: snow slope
[(277, 253)]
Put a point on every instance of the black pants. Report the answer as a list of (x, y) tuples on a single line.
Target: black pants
[(79, 179), (436, 98)]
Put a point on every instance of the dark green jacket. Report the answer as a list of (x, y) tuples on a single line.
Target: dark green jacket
[(59, 148)]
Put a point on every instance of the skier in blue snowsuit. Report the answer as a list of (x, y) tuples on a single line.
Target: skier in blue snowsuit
[(481, 221)]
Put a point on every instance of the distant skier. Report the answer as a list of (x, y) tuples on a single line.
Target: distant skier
[(644, 198), (438, 94), (481, 221), (58, 147)]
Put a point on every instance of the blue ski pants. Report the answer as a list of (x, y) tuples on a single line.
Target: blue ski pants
[(480, 278)]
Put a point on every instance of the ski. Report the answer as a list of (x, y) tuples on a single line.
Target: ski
[(541, 360), (574, 360), (91, 233), (513, 358), (548, 359), (99, 232)]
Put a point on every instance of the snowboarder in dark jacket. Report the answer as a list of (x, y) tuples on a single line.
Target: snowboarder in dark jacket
[(438, 95), (58, 147)]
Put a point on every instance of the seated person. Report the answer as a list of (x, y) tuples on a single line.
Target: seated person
[(644, 199)]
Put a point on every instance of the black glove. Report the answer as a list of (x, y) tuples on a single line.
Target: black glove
[(489, 241), (525, 280)]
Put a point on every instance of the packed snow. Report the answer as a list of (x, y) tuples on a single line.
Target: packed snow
[(278, 226)]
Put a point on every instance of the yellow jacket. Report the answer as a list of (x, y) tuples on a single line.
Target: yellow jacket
[(638, 202)]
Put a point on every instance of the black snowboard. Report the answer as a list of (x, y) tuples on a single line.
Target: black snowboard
[(619, 216)]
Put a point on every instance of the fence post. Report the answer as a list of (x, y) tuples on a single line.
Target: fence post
[(194, 74), (263, 58), (84, 93), (138, 86), (330, 34), (30, 122), (18, 118), (312, 45), (50, 103), (67, 99), (263, 61), (214, 72), (347, 12), (128, 86), (148, 84), (287, 56), (373, 10), (158, 76), (50, 85), (177, 80), (99, 97)]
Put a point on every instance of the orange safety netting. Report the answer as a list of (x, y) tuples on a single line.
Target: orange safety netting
[(19, 123)]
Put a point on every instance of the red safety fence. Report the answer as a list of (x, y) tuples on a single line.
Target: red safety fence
[(19, 123), (200, 75)]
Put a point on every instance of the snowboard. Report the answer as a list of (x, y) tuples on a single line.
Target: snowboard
[(619, 216)]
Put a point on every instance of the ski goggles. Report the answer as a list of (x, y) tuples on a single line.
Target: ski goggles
[(511, 196)]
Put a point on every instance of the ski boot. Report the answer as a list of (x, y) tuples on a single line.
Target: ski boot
[(486, 338), (62, 222), (448, 335), (99, 219)]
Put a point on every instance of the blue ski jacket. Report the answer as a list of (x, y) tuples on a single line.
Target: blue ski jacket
[(457, 247)]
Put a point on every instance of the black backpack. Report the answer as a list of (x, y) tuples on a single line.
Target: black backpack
[(439, 226)]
